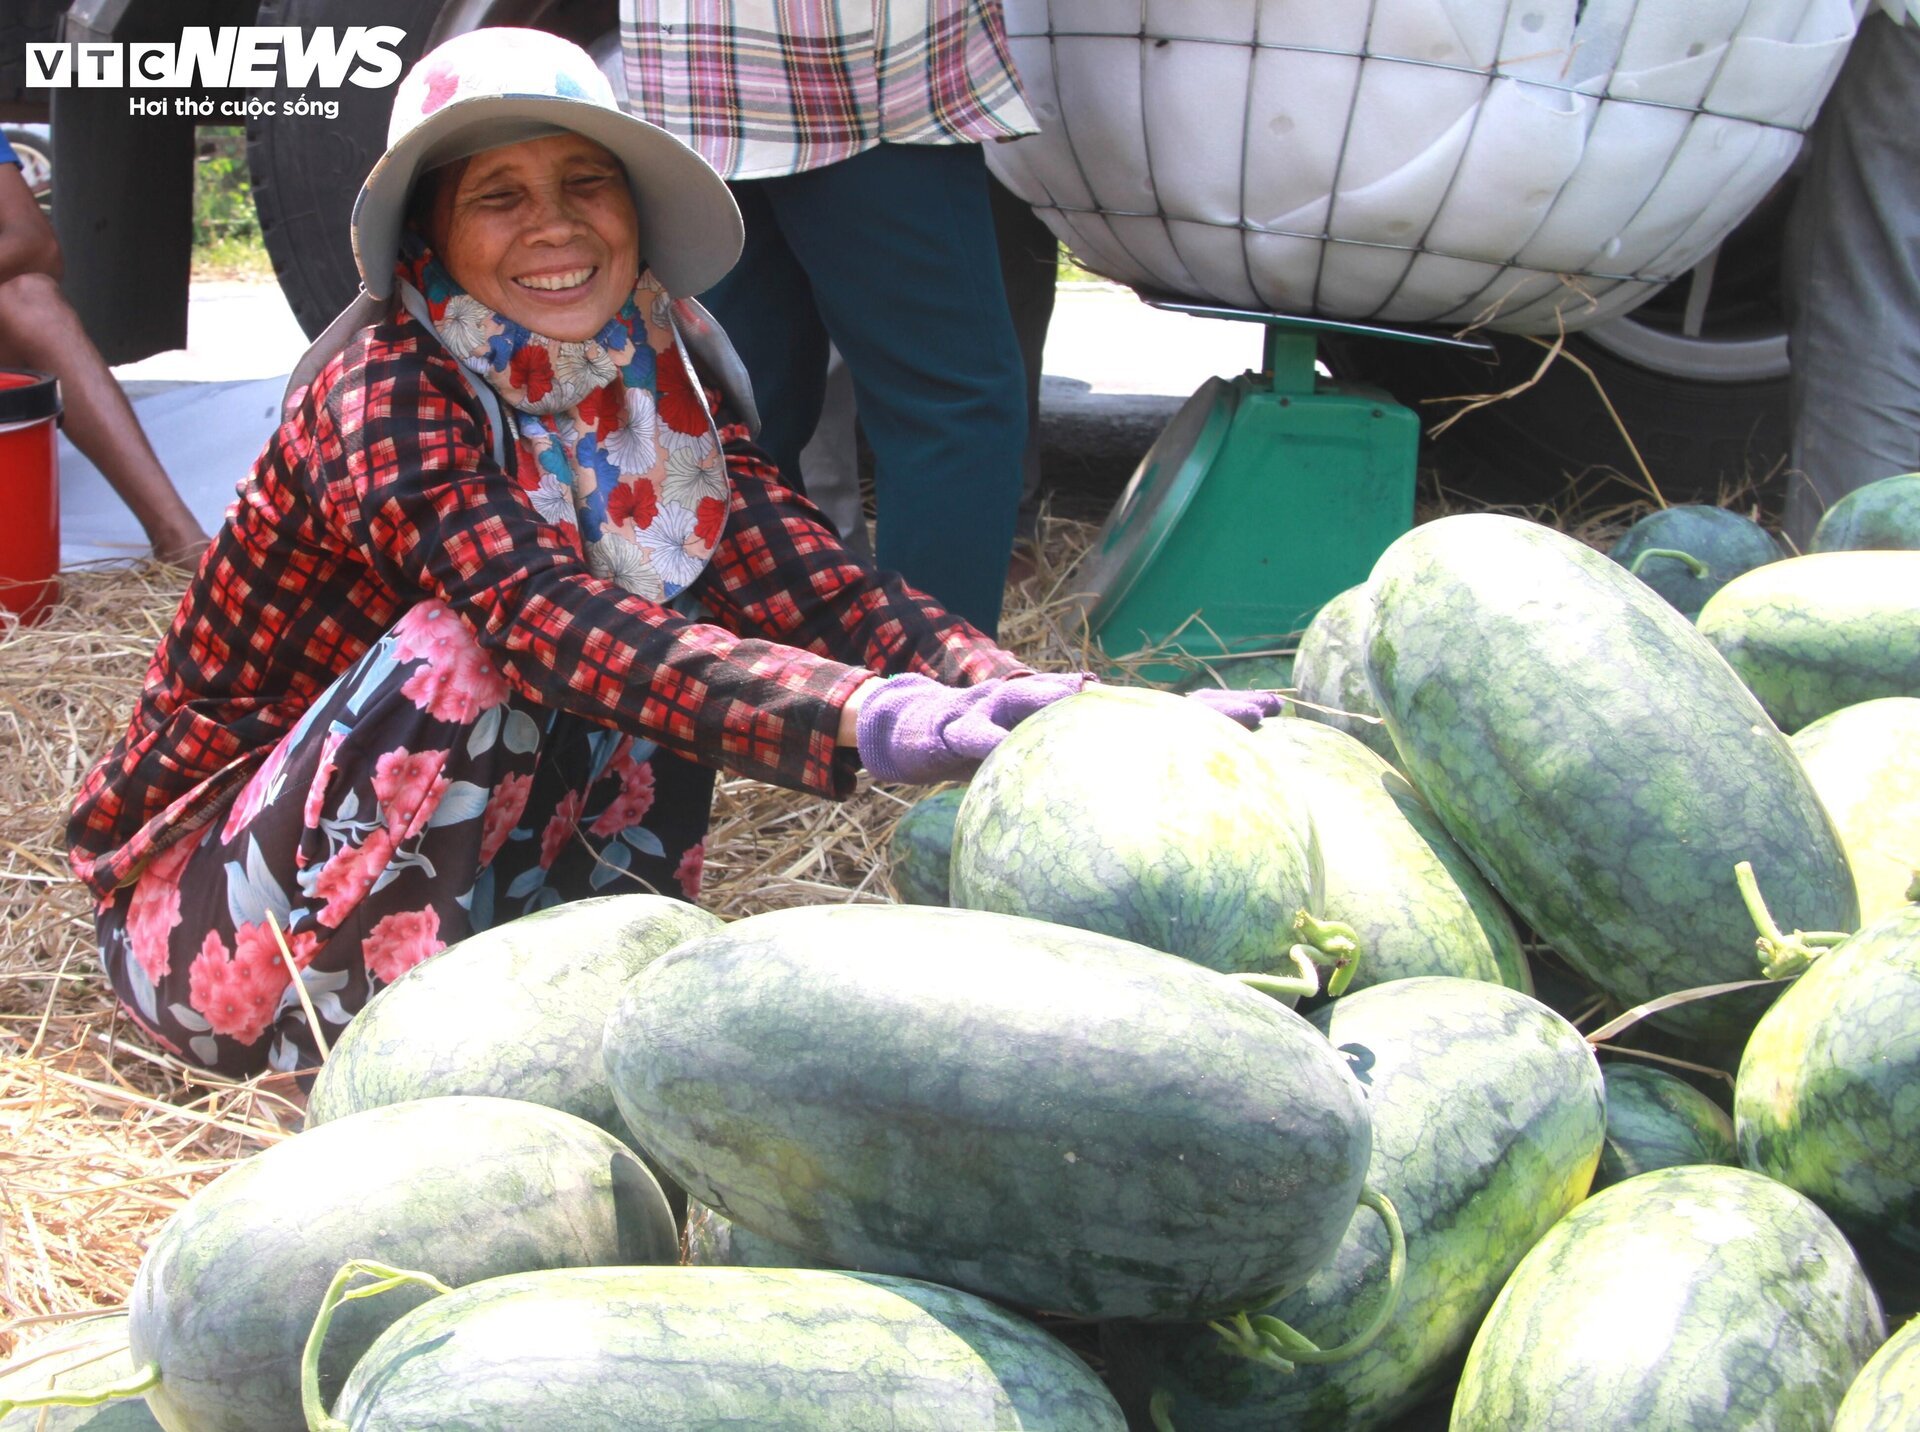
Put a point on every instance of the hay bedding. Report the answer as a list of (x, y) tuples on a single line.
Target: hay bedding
[(103, 1136)]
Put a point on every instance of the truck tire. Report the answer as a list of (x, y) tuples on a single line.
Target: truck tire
[(23, 22), (307, 171), (1703, 395)]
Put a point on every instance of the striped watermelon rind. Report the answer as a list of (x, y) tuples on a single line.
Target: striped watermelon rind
[(1687, 1299), (1141, 815), (920, 850), (1885, 1397), (82, 1358), (1599, 762), (1726, 543), (1392, 873), (1865, 763), (666, 1349), (1330, 672), (468, 1187), (514, 1012), (1047, 1116), (1883, 515), (1658, 1120), (1813, 634), (1487, 1116), (1828, 1095)]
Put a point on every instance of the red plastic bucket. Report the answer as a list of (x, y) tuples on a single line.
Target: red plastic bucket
[(30, 479)]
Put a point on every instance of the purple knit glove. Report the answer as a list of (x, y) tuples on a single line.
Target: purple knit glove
[(1246, 707), (915, 730)]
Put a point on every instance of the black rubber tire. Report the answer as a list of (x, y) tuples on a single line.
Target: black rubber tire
[(306, 172), (1699, 439), (23, 22)]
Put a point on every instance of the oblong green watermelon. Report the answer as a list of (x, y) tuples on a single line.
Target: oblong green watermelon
[(1659, 1120), (1142, 815), (1828, 1095), (1050, 1117), (1599, 762), (1883, 515), (467, 1188), (79, 1358), (1487, 1118), (1726, 543), (671, 1349), (1864, 761), (1391, 871), (514, 1012), (1689, 1299), (1813, 634), (1330, 672), (1885, 1397), (921, 848)]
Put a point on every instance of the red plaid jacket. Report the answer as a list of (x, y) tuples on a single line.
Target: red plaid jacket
[(380, 491)]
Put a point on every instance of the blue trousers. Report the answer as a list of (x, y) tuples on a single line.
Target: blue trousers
[(892, 256)]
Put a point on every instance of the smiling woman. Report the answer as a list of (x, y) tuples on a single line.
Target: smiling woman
[(507, 585)]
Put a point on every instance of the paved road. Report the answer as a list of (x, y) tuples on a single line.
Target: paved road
[(1115, 371)]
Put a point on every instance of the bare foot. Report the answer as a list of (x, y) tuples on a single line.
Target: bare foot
[(182, 549)]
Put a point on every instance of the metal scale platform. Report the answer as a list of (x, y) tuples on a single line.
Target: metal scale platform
[(1265, 495)]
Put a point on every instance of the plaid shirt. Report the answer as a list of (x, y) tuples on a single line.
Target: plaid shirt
[(380, 491), (769, 87)]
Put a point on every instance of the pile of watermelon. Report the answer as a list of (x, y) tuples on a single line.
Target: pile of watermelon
[(1204, 1078)]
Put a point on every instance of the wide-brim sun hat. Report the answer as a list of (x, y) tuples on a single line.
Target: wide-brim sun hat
[(499, 86)]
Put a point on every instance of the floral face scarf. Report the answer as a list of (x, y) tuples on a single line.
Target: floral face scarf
[(615, 438)]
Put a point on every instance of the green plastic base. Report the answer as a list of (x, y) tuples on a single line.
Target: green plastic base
[(1252, 509)]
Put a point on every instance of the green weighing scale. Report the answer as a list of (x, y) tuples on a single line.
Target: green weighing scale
[(1263, 497)]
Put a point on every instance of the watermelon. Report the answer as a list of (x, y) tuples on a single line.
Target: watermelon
[(1721, 544), (921, 848), (1392, 873), (1050, 1117), (672, 1349), (1143, 815), (1267, 671), (1883, 515), (86, 1358), (1828, 1095), (712, 1240), (514, 1012), (1331, 672), (1885, 1397), (1813, 634), (468, 1187), (1659, 1120), (1598, 761), (1487, 1119), (1688, 1299), (1864, 761)]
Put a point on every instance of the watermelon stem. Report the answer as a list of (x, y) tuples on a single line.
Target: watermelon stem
[(318, 1418), (1782, 955), (1273, 1343), (1160, 1410), (1692, 563), (139, 1381), (1331, 944)]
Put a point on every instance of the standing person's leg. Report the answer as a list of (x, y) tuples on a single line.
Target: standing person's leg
[(898, 243), (40, 330), (1852, 281), (766, 305), (1029, 265)]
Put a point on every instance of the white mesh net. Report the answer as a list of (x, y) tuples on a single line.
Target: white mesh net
[(1527, 163)]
